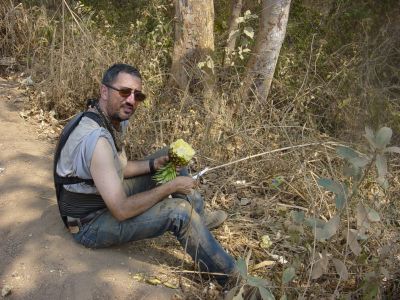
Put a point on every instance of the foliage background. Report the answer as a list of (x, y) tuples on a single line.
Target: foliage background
[(338, 72)]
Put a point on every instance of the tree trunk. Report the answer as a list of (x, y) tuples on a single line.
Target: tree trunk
[(194, 41), (233, 27), (270, 36)]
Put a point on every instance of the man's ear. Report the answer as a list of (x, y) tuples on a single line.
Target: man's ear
[(103, 92)]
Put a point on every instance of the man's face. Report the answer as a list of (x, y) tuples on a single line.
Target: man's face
[(120, 108)]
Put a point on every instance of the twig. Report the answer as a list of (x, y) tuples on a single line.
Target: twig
[(292, 206), (270, 152), (198, 272)]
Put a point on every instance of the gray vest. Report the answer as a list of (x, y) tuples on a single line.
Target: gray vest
[(75, 160)]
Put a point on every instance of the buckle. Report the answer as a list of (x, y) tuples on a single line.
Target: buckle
[(74, 224), (73, 229)]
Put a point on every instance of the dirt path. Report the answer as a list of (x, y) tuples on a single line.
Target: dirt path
[(38, 257)]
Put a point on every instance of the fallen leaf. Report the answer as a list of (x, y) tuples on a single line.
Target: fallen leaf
[(6, 290), (153, 281), (265, 263), (170, 285), (138, 277)]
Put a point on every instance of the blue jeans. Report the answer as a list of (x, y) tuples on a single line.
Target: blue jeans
[(182, 217)]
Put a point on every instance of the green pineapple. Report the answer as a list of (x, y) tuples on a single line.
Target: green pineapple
[(180, 153)]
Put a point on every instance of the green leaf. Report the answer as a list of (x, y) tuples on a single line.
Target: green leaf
[(383, 182), (341, 269), (329, 229), (266, 294), (352, 171), (381, 165), (352, 156), (360, 162), (362, 217), (339, 189), (373, 215), (242, 267), (346, 153), (370, 136), (332, 225), (351, 236), (321, 266), (392, 150), (288, 275), (340, 201), (256, 281), (298, 216), (330, 185), (315, 223), (383, 137)]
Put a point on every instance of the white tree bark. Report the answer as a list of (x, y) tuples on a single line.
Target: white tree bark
[(270, 36), (233, 26)]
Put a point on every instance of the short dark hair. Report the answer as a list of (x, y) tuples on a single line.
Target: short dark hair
[(113, 71)]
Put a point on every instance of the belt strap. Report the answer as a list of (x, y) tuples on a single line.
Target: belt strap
[(80, 221)]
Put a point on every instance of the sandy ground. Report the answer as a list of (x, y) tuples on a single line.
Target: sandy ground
[(38, 257)]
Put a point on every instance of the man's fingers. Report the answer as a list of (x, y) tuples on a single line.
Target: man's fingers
[(161, 161)]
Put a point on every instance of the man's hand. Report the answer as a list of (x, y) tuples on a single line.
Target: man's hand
[(183, 184), (160, 162)]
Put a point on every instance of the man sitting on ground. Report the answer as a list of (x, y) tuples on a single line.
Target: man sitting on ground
[(106, 200)]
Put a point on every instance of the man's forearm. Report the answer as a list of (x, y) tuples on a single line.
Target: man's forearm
[(136, 167), (140, 202)]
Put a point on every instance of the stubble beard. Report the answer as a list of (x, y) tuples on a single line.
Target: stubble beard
[(117, 117)]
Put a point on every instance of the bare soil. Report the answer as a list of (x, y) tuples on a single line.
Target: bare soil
[(38, 257)]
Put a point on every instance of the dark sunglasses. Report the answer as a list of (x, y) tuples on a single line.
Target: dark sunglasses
[(126, 92)]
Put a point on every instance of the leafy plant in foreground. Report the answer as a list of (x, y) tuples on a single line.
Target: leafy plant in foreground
[(253, 285), (356, 171)]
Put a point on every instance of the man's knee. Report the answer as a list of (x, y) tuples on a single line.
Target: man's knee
[(181, 212), (181, 207)]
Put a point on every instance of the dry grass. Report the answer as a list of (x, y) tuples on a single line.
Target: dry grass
[(66, 56)]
